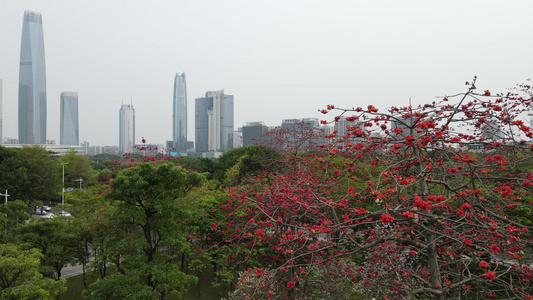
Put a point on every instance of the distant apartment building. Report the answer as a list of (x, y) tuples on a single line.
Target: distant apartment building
[(298, 134), (346, 128), (214, 122), (179, 113), (237, 139), (492, 131), (406, 126), (95, 150), (69, 121), (126, 129), (10, 141)]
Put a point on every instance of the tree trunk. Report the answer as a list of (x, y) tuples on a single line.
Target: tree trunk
[(433, 260)]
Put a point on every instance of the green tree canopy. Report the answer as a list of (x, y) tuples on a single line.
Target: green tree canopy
[(245, 162), (54, 237), (20, 278), (30, 173), (78, 167), (150, 229), (13, 214)]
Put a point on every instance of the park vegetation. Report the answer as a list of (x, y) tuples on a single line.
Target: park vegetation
[(416, 202)]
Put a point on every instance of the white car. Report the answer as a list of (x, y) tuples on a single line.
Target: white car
[(64, 214), (40, 210), (50, 215)]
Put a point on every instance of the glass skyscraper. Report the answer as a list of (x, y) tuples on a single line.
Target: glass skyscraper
[(69, 131), (179, 113), (32, 81), (126, 129), (214, 122)]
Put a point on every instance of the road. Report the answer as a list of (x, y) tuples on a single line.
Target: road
[(69, 270)]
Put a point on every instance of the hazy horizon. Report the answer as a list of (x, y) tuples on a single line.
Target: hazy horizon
[(280, 59)]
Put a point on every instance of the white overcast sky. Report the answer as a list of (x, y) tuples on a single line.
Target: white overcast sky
[(280, 59)]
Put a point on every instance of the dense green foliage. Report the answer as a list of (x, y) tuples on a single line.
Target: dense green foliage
[(78, 167), (150, 226), (20, 278), (30, 173)]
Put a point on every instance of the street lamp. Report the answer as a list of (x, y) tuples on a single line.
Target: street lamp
[(63, 190), (5, 215)]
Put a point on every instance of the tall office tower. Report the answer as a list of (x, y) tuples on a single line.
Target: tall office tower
[(179, 113), (32, 81), (214, 122), (69, 124), (127, 129)]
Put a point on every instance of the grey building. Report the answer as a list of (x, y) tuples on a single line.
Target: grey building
[(69, 122), (214, 122), (254, 133), (299, 134), (126, 129), (179, 113), (32, 81), (344, 126)]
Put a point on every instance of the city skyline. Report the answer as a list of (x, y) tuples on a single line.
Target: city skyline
[(32, 81), (279, 59)]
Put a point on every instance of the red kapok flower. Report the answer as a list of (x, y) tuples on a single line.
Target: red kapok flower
[(290, 284), (490, 275), (386, 218), (494, 248), (484, 264)]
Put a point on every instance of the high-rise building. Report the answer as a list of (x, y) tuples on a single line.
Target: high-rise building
[(254, 133), (298, 134), (347, 124), (179, 113), (126, 129), (69, 122), (214, 122), (32, 81)]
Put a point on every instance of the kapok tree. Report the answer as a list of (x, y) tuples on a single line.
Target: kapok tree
[(418, 202)]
